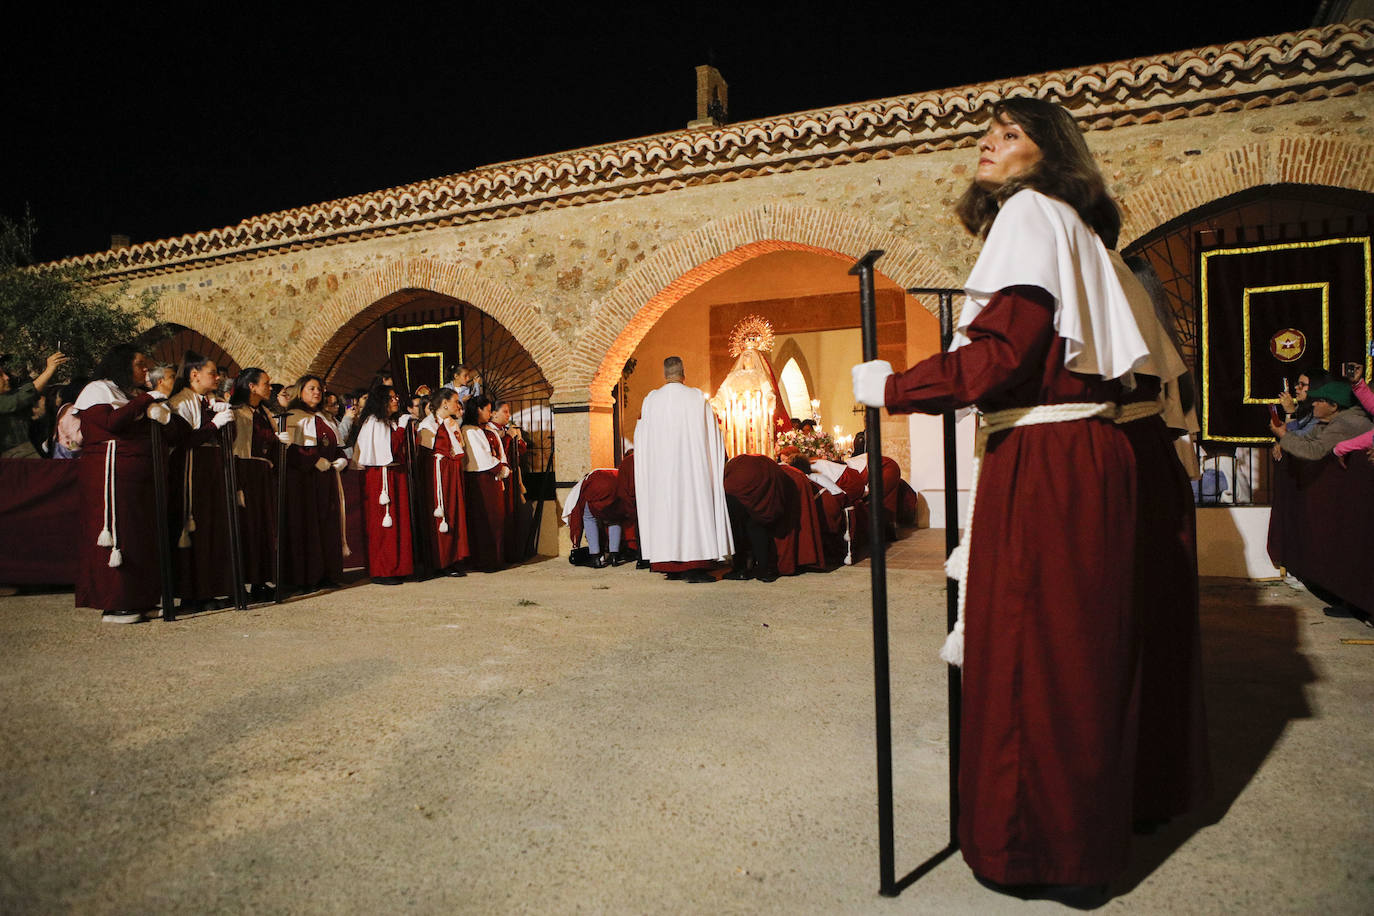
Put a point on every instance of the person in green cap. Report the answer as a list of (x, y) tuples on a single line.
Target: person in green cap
[(1338, 419)]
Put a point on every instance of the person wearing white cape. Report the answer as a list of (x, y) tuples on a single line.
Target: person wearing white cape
[(1048, 347), (684, 527)]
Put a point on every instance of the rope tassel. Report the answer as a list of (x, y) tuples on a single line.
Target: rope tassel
[(385, 500)]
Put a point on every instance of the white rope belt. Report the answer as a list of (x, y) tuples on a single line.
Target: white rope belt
[(1139, 410), (439, 493), (956, 567)]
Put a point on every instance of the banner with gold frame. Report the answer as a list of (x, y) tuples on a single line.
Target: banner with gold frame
[(424, 354), (1270, 312)]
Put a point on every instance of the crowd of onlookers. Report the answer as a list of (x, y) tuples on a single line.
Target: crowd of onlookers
[(1326, 414), (440, 490)]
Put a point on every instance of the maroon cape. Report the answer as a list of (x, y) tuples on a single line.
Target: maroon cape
[(780, 498), (389, 548), (797, 536), (200, 529), (314, 536), (1051, 641), (135, 584), (448, 547), (486, 502), (257, 480)]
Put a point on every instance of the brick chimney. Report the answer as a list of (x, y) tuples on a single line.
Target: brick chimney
[(713, 98), (118, 241)]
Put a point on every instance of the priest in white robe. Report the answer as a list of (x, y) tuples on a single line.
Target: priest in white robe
[(684, 528)]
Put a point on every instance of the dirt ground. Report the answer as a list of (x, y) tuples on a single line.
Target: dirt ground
[(559, 740)]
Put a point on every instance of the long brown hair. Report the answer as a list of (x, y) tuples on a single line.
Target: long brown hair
[(1066, 171)]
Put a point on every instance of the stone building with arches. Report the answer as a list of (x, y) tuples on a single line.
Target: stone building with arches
[(579, 257)]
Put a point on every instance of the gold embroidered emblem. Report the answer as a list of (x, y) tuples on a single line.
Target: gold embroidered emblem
[(1288, 345)]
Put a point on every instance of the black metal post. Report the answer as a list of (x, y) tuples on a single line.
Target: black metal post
[(532, 541), (231, 500), (882, 694), (282, 451), (162, 525), (953, 686), (419, 543)]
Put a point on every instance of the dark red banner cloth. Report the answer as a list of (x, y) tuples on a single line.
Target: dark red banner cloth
[(1319, 525), (40, 503)]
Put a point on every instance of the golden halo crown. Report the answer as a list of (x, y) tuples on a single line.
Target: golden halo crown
[(754, 332)]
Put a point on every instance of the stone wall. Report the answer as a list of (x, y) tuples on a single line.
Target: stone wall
[(579, 281)]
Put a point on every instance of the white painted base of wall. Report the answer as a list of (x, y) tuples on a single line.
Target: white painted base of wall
[(1231, 542)]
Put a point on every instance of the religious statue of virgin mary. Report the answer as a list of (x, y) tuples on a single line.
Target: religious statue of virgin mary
[(748, 403)]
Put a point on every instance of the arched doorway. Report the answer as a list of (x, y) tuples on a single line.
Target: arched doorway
[(168, 344), (1280, 215), (419, 336), (812, 302)]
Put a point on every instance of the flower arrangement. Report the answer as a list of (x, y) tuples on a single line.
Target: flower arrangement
[(813, 445)]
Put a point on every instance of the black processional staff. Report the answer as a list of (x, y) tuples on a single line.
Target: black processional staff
[(231, 490), (162, 527), (882, 695), (418, 550), (954, 683), (282, 449), (888, 885)]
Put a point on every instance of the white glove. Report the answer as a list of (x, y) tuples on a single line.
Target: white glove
[(340, 463), (321, 464), (222, 419), (870, 382), (157, 395), (219, 406), (159, 413), (404, 420), (284, 438)]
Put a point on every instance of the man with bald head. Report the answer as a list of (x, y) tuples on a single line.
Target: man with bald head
[(684, 526)]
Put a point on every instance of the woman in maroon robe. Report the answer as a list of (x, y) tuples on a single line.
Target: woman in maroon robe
[(255, 451), (380, 446), (442, 457), (1050, 647), (485, 476), (199, 514), (513, 444), (116, 546), (315, 543)]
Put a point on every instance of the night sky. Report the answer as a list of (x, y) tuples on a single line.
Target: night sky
[(158, 125)]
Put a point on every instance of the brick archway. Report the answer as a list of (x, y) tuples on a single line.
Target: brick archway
[(623, 317), (1283, 160), (230, 336), (364, 294)]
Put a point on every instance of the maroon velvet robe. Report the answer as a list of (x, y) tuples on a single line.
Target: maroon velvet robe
[(203, 569), (1172, 771), (1051, 643), (257, 480), (610, 494), (389, 549), (515, 528), (135, 584), (448, 547), (797, 535), (485, 502), (314, 520)]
